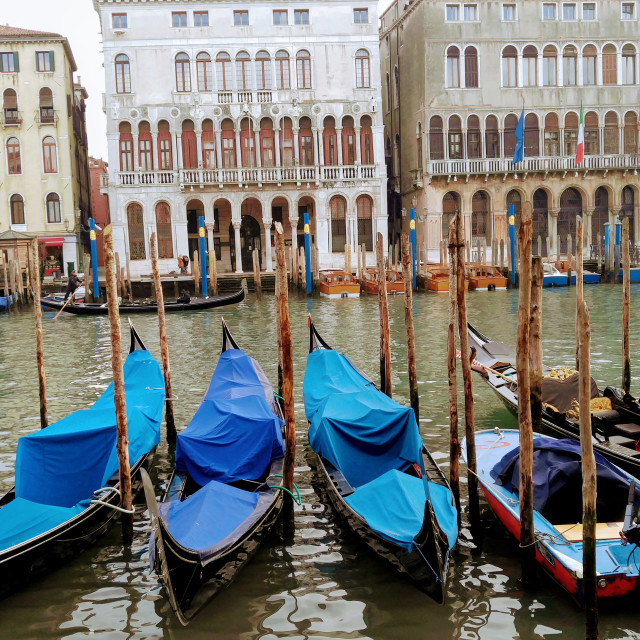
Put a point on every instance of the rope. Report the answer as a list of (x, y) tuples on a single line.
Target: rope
[(297, 500), (112, 506), (426, 561)]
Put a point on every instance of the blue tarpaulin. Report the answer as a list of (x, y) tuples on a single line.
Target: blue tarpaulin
[(235, 433)]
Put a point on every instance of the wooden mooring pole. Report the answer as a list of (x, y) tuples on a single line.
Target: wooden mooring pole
[(527, 543), (385, 341), (579, 277), (7, 292), (535, 343), (195, 270), (474, 505), (213, 275), (569, 258), (454, 438), (256, 273), (37, 313), (164, 347), (407, 276), (122, 444), (626, 301)]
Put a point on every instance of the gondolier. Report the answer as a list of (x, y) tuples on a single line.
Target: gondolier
[(73, 283)]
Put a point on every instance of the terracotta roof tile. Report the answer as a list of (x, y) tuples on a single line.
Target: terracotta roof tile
[(16, 32)]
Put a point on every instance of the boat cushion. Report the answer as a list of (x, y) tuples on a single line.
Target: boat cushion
[(210, 515), (630, 430), (22, 520), (561, 393)]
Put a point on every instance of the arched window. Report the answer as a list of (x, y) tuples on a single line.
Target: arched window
[(263, 71), (419, 146), (609, 64), (570, 133), (163, 229), (16, 203), (455, 138), (329, 141), (10, 106), (551, 135), (247, 143), (305, 136), (49, 155), (514, 198), (589, 59), (303, 70), (145, 156), (165, 159), (492, 137), (453, 67), (183, 73), (204, 69), (338, 207), (123, 74), (627, 209), (396, 88), (530, 66), (286, 142), (126, 147), (630, 132), (348, 141), (480, 227), (135, 222), (223, 70), (14, 161), (474, 149), (363, 80), (53, 208), (267, 142), (47, 115), (570, 208), (436, 144), (509, 67), (471, 67), (531, 135), (591, 134), (228, 140), (628, 64), (189, 148), (364, 206), (450, 206), (282, 70), (243, 71), (569, 66), (611, 133), (396, 156), (600, 214), (208, 145), (540, 222), (549, 66), (509, 143), (366, 140)]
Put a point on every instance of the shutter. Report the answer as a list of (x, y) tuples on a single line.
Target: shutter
[(51, 61), (16, 64)]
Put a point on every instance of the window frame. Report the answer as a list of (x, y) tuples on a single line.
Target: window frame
[(44, 59), (633, 11), (241, 18), (179, 15), (11, 59), (204, 72), (120, 21), (14, 159), (504, 7), (198, 15), (555, 11), (476, 9), (359, 13), (454, 7), (122, 74), (11, 210), (303, 64), (49, 155), (566, 5), (300, 13), (280, 13), (186, 77), (362, 61), (283, 72), (56, 210), (595, 11)]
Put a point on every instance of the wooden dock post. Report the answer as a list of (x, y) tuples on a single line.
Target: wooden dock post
[(316, 270), (213, 273), (359, 256), (569, 258), (129, 285), (88, 280), (37, 313), (164, 347), (558, 248), (535, 343), (347, 258), (119, 283), (599, 251), (454, 438), (256, 273), (302, 261), (7, 292), (474, 505), (441, 247), (626, 301), (385, 341), (502, 254), (579, 278), (548, 241), (287, 361), (612, 248), (407, 276), (195, 270), (539, 247), (122, 443)]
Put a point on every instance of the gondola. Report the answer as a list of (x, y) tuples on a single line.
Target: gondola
[(66, 476), (379, 476), (95, 308), (615, 417), (557, 516), (223, 496)]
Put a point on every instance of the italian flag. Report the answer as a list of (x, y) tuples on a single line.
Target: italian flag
[(580, 147)]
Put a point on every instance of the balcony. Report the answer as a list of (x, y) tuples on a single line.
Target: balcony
[(538, 164), (11, 118), (135, 178), (46, 115)]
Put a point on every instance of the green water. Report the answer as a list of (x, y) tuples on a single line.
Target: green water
[(324, 584)]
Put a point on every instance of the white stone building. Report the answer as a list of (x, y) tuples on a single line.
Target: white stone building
[(245, 114)]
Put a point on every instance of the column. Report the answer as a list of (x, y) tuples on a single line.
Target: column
[(599, 68), (267, 242), (238, 150), (579, 69), (277, 147), (553, 229), (586, 232), (619, 67), (320, 160), (136, 158), (155, 156), (339, 136), (199, 148), (519, 66), (236, 230), (294, 232), (357, 142), (178, 153), (258, 155), (314, 133), (559, 70), (209, 227), (218, 149), (296, 147), (601, 138), (539, 79), (463, 79)]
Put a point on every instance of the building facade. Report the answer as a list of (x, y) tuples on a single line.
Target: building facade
[(456, 79), (245, 114), (44, 191)]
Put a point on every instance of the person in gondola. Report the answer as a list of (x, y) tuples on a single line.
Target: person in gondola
[(185, 260), (185, 298), (73, 283)]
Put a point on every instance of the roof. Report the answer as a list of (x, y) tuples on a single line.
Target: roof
[(12, 236), (17, 34)]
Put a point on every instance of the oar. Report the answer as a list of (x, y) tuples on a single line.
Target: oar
[(68, 300), (477, 363)]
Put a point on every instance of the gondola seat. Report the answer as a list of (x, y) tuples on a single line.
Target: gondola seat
[(629, 430)]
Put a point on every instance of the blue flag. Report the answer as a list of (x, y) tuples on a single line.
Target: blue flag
[(518, 152)]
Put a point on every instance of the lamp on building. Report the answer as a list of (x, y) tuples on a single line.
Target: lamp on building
[(414, 202), (404, 212)]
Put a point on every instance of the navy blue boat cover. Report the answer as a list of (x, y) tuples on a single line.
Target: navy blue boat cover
[(370, 439), (59, 468), (235, 433)]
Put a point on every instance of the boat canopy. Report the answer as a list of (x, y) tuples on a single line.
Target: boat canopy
[(66, 462), (235, 432)]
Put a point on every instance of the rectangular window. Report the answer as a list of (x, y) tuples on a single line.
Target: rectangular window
[(588, 10), (589, 70), (306, 142), (8, 62), (628, 10), (119, 20), (569, 70), (44, 61), (200, 18), (453, 12), (267, 152), (470, 12), (165, 154), (240, 18), (280, 16), (549, 71), (301, 16), (549, 11), (509, 72), (508, 12), (361, 16), (179, 19), (228, 153), (569, 11)]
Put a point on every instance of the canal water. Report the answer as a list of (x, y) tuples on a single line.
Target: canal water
[(323, 584)]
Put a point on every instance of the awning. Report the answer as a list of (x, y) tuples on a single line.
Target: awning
[(51, 242)]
